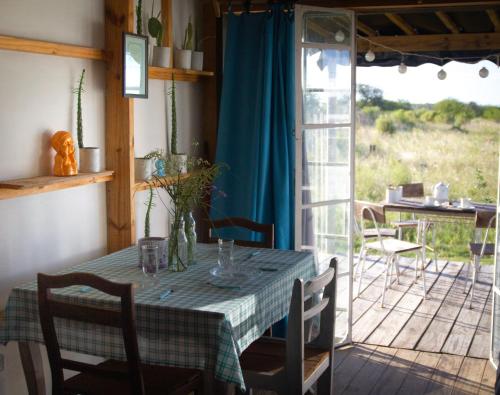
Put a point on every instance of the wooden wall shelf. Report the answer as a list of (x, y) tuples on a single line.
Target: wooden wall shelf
[(50, 48), (30, 186), (161, 73), (143, 185)]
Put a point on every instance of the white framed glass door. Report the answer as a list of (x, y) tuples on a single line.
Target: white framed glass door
[(495, 319), (325, 115)]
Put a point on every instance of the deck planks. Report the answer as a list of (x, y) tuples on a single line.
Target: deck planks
[(445, 373), (469, 378)]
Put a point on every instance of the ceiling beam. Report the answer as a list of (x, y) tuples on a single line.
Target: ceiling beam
[(448, 22), (365, 28), (401, 23), (494, 19), (373, 5), (433, 42)]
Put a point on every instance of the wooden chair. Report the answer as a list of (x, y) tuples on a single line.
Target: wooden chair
[(416, 190), (267, 230), (368, 234), (290, 366), (391, 249), (485, 220), (111, 376)]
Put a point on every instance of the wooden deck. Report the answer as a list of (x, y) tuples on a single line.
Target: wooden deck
[(442, 323), (417, 346)]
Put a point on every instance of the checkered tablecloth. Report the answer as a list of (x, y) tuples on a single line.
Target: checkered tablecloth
[(198, 325)]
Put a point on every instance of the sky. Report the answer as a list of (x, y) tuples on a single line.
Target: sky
[(421, 85)]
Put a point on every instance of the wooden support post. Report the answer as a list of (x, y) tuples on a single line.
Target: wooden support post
[(167, 21), (119, 18), (212, 49)]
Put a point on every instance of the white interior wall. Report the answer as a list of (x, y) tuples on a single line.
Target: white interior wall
[(46, 232)]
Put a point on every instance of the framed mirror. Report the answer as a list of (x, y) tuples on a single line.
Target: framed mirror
[(135, 65)]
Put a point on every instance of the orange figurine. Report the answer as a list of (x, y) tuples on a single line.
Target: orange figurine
[(65, 163)]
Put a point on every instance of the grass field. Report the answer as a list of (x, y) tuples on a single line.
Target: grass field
[(466, 158)]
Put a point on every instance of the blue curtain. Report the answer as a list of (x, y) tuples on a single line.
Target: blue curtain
[(256, 125)]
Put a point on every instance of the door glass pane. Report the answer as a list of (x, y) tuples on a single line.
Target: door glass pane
[(325, 165), (496, 329), (325, 231), (326, 86), (326, 27)]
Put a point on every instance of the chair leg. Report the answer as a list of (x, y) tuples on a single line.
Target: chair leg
[(396, 267), (466, 279), (423, 277), (474, 277), (434, 247), (362, 262), (387, 265)]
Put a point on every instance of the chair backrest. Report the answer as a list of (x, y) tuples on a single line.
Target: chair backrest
[(413, 190), (376, 209), (50, 306), (267, 231), (485, 219), (301, 312)]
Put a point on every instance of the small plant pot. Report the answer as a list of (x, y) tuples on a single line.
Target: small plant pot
[(182, 59), (150, 54), (90, 160), (161, 56), (180, 162), (197, 61), (143, 169), (161, 242)]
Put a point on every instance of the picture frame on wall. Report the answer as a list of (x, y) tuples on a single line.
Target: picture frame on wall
[(135, 65)]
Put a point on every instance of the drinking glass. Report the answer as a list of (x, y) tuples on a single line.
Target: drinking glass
[(225, 257), (150, 261)]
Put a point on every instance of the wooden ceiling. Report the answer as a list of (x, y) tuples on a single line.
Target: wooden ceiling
[(443, 28)]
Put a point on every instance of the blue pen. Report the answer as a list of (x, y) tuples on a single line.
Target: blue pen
[(165, 294)]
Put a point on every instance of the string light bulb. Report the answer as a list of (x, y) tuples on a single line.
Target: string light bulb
[(370, 56), (402, 67), (442, 74), (484, 72), (340, 36)]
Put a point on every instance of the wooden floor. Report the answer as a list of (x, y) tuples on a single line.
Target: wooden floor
[(417, 346), (442, 323)]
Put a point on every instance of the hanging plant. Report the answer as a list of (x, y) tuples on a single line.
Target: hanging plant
[(173, 137), (138, 12), (155, 27)]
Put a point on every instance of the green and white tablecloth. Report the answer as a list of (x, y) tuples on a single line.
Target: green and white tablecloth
[(197, 326)]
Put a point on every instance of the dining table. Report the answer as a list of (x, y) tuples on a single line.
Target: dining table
[(450, 211), (189, 319)]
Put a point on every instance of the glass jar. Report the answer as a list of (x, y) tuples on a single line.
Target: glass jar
[(190, 230)]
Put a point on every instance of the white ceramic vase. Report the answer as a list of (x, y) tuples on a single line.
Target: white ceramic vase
[(182, 59), (161, 56), (90, 160), (180, 162), (143, 169), (197, 60)]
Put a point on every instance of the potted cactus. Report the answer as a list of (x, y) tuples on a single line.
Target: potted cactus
[(179, 160), (161, 54), (90, 157), (183, 56)]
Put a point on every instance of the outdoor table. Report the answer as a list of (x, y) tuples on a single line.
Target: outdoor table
[(442, 213), (199, 325)]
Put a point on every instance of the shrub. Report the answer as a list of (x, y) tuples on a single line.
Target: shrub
[(427, 116), (369, 114), (453, 112), (405, 119), (385, 124), (492, 113)]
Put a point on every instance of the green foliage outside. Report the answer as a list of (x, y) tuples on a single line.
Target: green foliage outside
[(449, 141)]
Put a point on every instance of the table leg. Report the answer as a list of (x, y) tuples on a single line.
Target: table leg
[(31, 359), (423, 229)]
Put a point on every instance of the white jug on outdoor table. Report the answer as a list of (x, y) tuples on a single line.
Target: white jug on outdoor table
[(440, 192), (393, 194)]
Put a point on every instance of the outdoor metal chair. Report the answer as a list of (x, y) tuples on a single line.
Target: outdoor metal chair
[(291, 366), (391, 249), (485, 220), (111, 376), (366, 234), (416, 190)]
